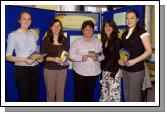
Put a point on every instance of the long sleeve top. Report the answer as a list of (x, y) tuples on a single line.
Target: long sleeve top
[(53, 50), (81, 47), (23, 44)]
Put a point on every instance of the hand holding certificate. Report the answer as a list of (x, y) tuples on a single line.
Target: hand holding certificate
[(64, 59), (36, 56), (124, 54), (92, 54)]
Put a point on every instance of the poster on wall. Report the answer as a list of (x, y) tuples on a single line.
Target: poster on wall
[(73, 21), (119, 18)]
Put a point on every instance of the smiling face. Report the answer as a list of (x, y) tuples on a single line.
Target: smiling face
[(87, 32), (108, 29), (25, 20), (131, 20), (56, 28)]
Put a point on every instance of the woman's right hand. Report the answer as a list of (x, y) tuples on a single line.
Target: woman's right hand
[(29, 61), (57, 59), (84, 58), (121, 62)]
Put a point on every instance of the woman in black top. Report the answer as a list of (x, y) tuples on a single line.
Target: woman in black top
[(110, 90), (137, 42)]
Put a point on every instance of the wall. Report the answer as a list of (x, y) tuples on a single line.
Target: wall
[(49, 7), (153, 26)]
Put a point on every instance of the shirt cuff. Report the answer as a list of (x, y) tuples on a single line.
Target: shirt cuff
[(7, 54)]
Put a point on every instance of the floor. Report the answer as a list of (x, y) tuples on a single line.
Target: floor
[(150, 93)]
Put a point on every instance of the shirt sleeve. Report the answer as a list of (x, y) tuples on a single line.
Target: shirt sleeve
[(146, 34), (10, 44), (35, 34), (74, 56), (117, 56), (45, 46), (100, 58)]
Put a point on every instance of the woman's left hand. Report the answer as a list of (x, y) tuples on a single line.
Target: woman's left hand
[(40, 60), (130, 62), (95, 58)]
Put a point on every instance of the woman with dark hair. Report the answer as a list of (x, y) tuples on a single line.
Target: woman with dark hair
[(137, 42), (86, 54), (26, 71), (54, 44), (110, 89)]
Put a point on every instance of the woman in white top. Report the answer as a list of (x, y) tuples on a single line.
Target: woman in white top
[(86, 54), (136, 41), (26, 71)]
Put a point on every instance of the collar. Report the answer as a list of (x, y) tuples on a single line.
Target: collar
[(91, 40), (131, 29)]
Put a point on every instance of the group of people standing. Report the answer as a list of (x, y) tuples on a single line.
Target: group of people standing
[(89, 55)]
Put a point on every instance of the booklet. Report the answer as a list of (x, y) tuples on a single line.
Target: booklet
[(64, 58), (93, 53), (124, 54), (36, 56)]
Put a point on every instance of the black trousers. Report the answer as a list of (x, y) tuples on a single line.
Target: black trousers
[(27, 82), (84, 87)]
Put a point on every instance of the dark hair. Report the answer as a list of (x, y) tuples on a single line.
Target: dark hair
[(50, 33), (113, 36), (23, 13), (87, 23)]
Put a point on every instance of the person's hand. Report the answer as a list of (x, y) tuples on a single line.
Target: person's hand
[(95, 58), (84, 58), (112, 75), (112, 78), (40, 60), (29, 61), (130, 62), (121, 62), (57, 59)]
